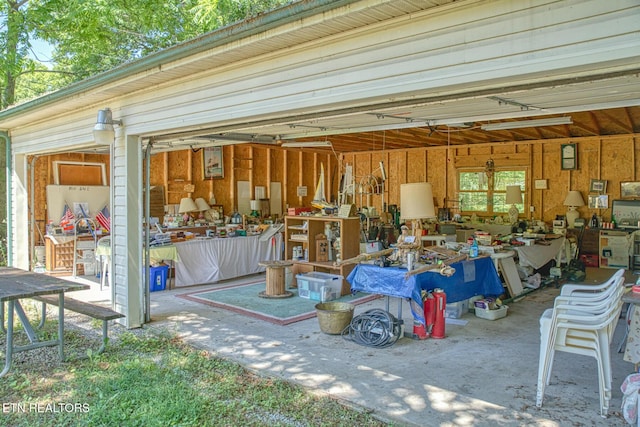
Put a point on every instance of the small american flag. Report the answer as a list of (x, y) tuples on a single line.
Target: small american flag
[(104, 219), (67, 215)]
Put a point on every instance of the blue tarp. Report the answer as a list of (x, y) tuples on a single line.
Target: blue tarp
[(471, 278)]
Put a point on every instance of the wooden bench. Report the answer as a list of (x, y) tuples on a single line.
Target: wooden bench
[(88, 309)]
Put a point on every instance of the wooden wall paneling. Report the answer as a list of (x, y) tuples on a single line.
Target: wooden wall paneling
[(39, 208), (178, 175), (252, 171), (436, 174), (416, 165), (504, 148), (581, 177), (374, 167), (361, 170), (535, 172), (328, 175), (277, 173), (316, 173), (261, 170), (397, 174), (478, 160), (620, 166), (286, 181), (614, 159), (300, 178), (635, 146), (230, 183), (293, 178), (308, 162), (189, 168), (450, 198), (554, 197), (165, 177)]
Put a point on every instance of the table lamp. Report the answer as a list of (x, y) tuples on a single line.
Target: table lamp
[(573, 200), (416, 203), (513, 198), (202, 207), (255, 208), (187, 205)]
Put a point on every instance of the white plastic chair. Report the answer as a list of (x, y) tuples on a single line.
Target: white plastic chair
[(581, 325), (106, 261), (582, 289)]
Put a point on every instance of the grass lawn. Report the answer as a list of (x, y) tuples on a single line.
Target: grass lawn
[(146, 379)]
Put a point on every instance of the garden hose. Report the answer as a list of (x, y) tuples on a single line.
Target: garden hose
[(374, 328)]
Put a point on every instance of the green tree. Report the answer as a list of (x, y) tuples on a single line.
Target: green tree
[(90, 37)]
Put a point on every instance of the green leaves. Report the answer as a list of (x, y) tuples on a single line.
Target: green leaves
[(90, 37)]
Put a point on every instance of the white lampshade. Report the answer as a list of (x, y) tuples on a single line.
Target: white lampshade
[(574, 198), (255, 205), (514, 195), (416, 201), (202, 205), (187, 205)]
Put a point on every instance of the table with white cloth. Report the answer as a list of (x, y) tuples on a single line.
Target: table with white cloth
[(210, 260), (537, 256)]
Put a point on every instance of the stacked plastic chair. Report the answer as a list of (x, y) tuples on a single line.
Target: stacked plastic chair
[(582, 321)]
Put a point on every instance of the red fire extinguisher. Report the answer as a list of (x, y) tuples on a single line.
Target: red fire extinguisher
[(419, 329), (429, 312), (440, 299)]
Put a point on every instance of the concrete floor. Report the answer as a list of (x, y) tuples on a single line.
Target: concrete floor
[(482, 374)]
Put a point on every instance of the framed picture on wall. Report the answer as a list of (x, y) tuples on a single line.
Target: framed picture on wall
[(598, 186), (630, 189), (212, 163), (569, 156), (598, 201)]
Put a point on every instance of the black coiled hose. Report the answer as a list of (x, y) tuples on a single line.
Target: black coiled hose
[(374, 328)]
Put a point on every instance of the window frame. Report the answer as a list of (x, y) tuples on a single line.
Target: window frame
[(490, 191)]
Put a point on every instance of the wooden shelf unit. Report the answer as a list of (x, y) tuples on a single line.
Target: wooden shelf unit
[(59, 258), (302, 230)]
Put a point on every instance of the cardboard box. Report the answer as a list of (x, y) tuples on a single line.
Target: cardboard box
[(298, 211)]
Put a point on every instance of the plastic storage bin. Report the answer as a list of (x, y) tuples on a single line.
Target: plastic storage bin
[(455, 310), (319, 286), (498, 313), (158, 278)]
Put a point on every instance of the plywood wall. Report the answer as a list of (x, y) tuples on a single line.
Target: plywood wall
[(43, 175), (614, 159)]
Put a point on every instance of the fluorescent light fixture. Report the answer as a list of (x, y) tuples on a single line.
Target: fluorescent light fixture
[(552, 121), (302, 144)]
